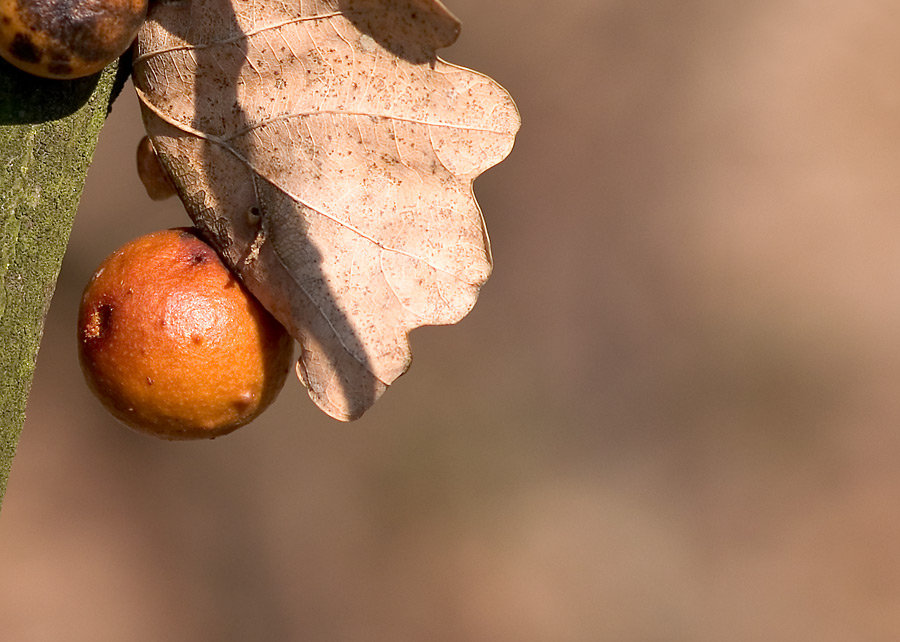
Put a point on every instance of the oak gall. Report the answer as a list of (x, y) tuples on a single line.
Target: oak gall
[(173, 345), (67, 38)]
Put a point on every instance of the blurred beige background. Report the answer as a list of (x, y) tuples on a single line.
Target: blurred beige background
[(673, 414)]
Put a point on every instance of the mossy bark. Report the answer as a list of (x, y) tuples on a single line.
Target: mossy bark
[(48, 133)]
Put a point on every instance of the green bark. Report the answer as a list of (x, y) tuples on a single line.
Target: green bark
[(48, 133)]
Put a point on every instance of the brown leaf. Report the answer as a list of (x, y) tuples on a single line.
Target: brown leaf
[(329, 155)]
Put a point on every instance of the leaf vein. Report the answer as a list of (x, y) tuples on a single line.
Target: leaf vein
[(224, 143), (236, 37)]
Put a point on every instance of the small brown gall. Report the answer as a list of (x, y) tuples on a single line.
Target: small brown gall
[(67, 38)]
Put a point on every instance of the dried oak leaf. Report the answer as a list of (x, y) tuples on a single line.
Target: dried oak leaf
[(329, 154)]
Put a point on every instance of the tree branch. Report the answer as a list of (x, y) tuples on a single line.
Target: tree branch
[(48, 133)]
